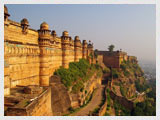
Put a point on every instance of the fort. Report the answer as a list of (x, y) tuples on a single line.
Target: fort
[(115, 58), (30, 59), (32, 56)]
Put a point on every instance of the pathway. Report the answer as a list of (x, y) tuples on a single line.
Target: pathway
[(94, 103)]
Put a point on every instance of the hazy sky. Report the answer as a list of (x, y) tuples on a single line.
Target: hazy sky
[(129, 27)]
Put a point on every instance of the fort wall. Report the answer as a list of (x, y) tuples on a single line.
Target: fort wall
[(21, 57), (31, 56)]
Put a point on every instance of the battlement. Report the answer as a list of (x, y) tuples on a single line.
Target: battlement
[(31, 56)]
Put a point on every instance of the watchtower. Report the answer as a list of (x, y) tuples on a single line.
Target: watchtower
[(77, 49), (65, 49), (44, 43)]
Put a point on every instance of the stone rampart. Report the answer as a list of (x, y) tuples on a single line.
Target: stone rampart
[(31, 56)]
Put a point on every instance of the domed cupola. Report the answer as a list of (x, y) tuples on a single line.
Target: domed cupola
[(77, 42), (44, 34), (90, 45), (24, 25)]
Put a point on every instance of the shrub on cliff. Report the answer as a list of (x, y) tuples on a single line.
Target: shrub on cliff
[(66, 76), (126, 73), (141, 87), (123, 66), (106, 70), (115, 73), (120, 109), (144, 109), (76, 74), (123, 92)]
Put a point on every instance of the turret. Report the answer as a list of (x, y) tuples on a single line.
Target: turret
[(53, 39), (65, 49), (24, 25), (53, 33), (84, 49), (71, 50), (44, 35), (6, 15), (77, 49), (90, 46), (90, 52), (44, 43)]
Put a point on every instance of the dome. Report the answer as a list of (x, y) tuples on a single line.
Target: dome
[(44, 26), (54, 33), (65, 33), (90, 45), (6, 10), (76, 37), (84, 42), (24, 21)]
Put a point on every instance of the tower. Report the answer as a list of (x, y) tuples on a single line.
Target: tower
[(77, 49), (44, 43), (6, 15), (53, 39), (24, 25), (65, 49), (90, 49), (90, 53), (84, 49)]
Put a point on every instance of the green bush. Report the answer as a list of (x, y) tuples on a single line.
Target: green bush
[(106, 70), (123, 92), (85, 91), (126, 73), (108, 97), (141, 87), (76, 74), (115, 73), (123, 66), (121, 110), (144, 109)]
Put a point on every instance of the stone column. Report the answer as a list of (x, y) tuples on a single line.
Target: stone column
[(84, 49), (65, 49), (44, 45), (77, 49)]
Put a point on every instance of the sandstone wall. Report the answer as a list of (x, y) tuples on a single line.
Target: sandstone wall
[(111, 61), (32, 56), (39, 107), (21, 57), (60, 100)]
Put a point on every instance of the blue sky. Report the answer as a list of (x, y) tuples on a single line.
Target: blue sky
[(129, 27)]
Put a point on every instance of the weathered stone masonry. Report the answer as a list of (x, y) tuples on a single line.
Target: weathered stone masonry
[(31, 56)]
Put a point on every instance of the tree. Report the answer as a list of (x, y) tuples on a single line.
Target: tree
[(111, 47)]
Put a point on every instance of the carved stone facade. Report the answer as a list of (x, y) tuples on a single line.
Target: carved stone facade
[(31, 56)]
